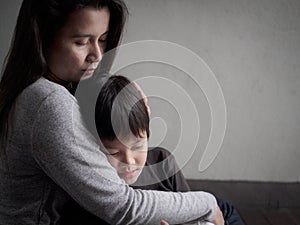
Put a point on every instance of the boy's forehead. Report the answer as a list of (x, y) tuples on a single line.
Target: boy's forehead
[(124, 140)]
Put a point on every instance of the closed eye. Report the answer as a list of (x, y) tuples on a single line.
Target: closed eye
[(111, 151), (79, 43), (112, 154), (82, 41), (103, 38), (102, 41)]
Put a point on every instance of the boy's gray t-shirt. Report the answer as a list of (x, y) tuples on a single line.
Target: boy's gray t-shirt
[(51, 157)]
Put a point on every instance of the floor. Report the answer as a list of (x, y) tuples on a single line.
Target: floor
[(259, 203), (271, 216)]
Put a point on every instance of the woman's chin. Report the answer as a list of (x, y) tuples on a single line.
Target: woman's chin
[(86, 75)]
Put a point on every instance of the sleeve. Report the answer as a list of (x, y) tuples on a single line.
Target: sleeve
[(70, 156)]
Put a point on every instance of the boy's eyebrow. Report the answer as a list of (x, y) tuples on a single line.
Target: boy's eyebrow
[(137, 141), (109, 146), (140, 140), (87, 35)]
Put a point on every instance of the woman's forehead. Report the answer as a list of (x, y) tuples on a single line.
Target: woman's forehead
[(88, 20)]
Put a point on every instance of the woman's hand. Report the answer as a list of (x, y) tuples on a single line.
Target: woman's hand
[(219, 219), (163, 222), (148, 108)]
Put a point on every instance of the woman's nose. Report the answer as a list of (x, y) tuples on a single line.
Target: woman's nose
[(95, 53)]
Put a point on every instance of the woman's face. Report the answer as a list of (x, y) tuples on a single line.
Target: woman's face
[(78, 47)]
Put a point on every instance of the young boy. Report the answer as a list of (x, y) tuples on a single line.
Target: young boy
[(122, 122)]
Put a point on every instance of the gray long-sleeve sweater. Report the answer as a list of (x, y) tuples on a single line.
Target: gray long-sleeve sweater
[(51, 157)]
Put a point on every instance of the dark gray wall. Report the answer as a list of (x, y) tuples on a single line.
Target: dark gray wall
[(8, 17)]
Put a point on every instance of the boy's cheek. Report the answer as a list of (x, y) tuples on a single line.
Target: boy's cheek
[(113, 161)]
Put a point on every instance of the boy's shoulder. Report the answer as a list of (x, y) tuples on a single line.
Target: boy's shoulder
[(158, 154)]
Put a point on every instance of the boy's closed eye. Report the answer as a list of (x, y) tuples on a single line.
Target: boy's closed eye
[(111, 151)]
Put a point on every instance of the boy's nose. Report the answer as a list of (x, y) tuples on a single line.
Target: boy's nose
[(128, 159)]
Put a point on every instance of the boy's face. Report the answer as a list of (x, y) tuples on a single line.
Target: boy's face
[(128, 157)]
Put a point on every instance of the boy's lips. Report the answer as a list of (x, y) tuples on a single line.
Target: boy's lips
[(128, 174)]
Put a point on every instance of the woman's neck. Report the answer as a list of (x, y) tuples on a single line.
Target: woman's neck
[(52, 77)]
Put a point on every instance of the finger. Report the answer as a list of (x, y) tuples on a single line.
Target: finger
[(163, 222), (139, 89)]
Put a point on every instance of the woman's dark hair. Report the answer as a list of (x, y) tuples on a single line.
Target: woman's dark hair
[(120, 109), (37, 25)]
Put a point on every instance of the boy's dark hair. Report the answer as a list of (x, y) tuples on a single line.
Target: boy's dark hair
[(120, 110)]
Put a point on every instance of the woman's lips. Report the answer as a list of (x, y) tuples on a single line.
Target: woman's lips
[(89, 71)]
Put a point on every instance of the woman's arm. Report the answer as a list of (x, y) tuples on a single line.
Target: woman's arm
[(69, 155)]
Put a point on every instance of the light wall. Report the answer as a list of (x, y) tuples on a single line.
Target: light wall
[(253, 48)]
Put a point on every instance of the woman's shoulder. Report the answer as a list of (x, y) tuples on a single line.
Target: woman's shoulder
[(43, 89), (44, 94)]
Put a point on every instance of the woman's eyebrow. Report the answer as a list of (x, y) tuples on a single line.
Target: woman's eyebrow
[(87, 35), (82, 35)]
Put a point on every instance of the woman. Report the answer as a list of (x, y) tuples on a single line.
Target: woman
[(48, 157)]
